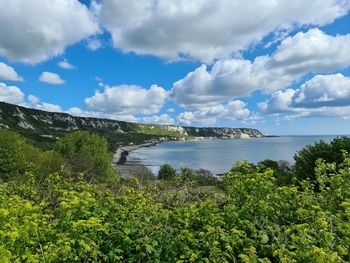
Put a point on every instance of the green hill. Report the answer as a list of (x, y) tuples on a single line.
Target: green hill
[(43, 128)]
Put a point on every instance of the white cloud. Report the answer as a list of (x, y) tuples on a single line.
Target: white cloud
[(75, 111), (34, 31), (232, 111), (324, 90), (171, 110), (65, 64), (94, 44), (128, 99), (310, 52), (33, 100), (11, 94), (51, 78), (321, 96), (313, 51), (207, 30), (162, 119), (280, 101), (48, 107), (8, 73)]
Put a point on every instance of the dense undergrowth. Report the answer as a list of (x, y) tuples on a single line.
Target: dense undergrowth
[(51, 211)]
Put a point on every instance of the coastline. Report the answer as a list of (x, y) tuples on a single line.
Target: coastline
[(127, 167)]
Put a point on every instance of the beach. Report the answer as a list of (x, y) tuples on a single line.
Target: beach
[(129, 167)]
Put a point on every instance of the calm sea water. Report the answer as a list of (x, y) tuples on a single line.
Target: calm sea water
[(218, 156)]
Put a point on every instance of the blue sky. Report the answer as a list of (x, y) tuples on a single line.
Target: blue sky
[(277, 66)]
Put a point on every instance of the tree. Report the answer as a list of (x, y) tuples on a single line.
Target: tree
[(305, 159), (282, 171), (166, 172), (88, 154), (11, 154)]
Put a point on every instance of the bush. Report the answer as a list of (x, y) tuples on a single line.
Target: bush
[(17, 157), (166, 172), (201, 177), (11, 154), (305, 159), (282, 171), (88, 154), (251, 220)]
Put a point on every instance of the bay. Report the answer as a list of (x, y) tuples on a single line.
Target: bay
[(218, 156)]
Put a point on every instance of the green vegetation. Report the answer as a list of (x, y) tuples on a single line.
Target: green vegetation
[(87, 154), (158, 130), (64, 216), (305, 160), (166, 172), (42, 129)]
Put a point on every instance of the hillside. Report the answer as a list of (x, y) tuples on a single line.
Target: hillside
[(43, 128)]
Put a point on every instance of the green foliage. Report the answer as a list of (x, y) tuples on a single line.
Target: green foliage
[(17, 157), (88, 154), (254, 220), (62, 218), (199, 177), (12, 159), (305, 160), (166, 172), (156, 129), (282, 171)]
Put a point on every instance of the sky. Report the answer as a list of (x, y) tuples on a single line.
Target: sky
[(280, 66)]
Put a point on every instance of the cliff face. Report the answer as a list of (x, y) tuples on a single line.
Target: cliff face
[(40, 124)]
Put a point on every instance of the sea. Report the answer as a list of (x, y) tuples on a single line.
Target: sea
[(218, 155)]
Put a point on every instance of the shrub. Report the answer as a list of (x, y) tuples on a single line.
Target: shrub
[(305, 159), (88, 154), (205, 177), (11, 154), (166, 172), (17, 157), (187, 174), (282, 171)]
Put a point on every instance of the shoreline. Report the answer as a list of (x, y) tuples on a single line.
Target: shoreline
[(128, 168), (119, 156)]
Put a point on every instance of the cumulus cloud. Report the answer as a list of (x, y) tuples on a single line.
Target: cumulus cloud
[(14, 95), (51, 78), (312, 51), (65, 64), (207, 30), (8, 73), (128, 99), (232, 111), (75, 111), (159, 119), (94, 44), (324, 90), (321, 96), (33, 100), (280, 101), (48, 107), (34, 31), (11, 94), (309, 52)]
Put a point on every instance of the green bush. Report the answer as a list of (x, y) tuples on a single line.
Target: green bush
[(254, 220), (17, 157), (166, 172), (12, 159), (282, 171), (88, 154), (305, 159), (55, 218)]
